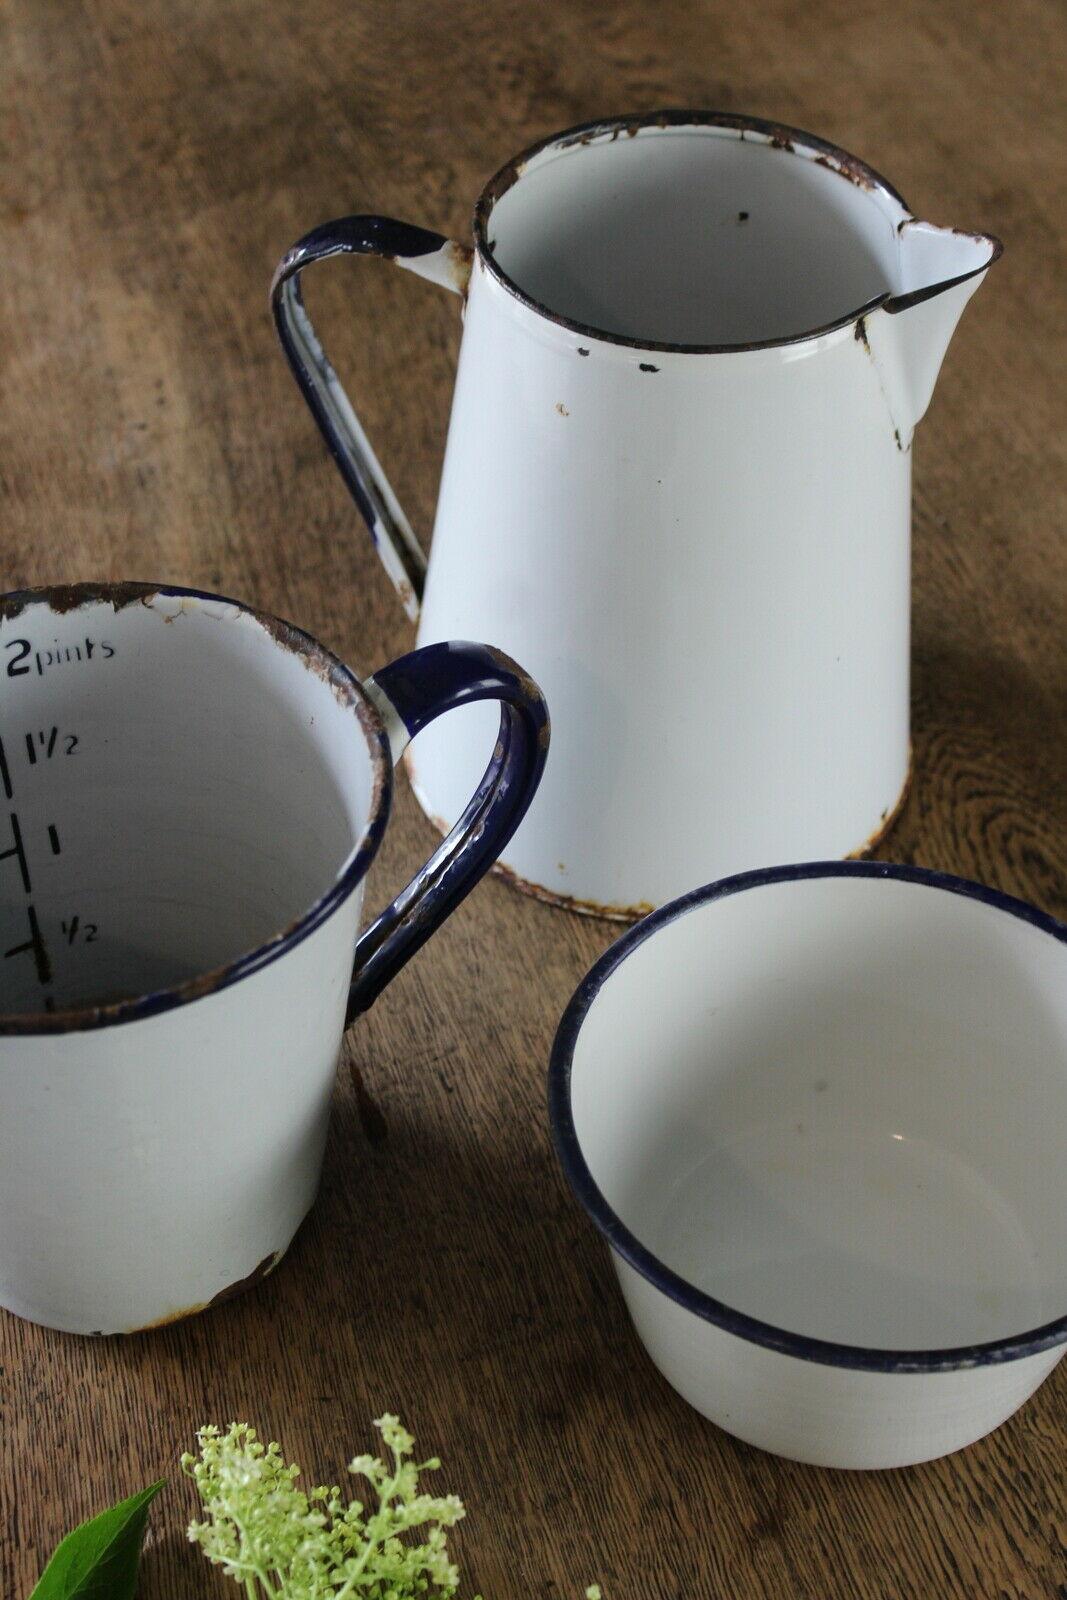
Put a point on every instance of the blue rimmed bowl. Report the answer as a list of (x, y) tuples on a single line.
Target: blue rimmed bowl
[(819, 1113)]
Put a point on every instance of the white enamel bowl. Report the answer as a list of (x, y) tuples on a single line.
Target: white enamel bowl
[(820, 1115)]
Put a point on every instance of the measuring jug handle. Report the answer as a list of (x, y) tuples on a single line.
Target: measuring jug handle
[(409, 694), (430, 255)]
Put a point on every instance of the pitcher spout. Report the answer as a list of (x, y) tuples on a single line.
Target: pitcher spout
[(939, 270), (935, 260)]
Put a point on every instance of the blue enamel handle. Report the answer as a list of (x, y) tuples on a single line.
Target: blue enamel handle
[(410, 694), (427, 254)]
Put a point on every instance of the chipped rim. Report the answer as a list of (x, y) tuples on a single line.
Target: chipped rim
[(779, 136), (350, 693), (623, 1242)]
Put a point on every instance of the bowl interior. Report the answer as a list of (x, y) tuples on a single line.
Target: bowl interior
[(837, 1105)]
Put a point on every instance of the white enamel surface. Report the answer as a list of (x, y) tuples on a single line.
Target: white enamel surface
[(829, 1416), (705, 565), (216, 789), (449, 267), (837, 1106), (147, 1167)]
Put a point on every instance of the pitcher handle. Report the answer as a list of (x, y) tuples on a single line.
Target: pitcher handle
[(409, 694), (431, 256)]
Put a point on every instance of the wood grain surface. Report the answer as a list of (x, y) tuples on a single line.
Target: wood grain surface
[(157, 160)]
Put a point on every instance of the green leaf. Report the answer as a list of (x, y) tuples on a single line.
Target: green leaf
[(99, 1559)]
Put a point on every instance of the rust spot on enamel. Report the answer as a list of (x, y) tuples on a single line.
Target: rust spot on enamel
[(567, 902), (847, 166), (168, 1320), (643, 908), (263, 1270), (503, 180), (64, 598), (312, 655), (258, 1273), (888, 819), (460, 261), (503, 660)]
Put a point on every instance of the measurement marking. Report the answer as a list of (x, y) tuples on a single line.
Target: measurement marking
[(5, 775), (47, 742), (17, 850), (44, 966), (71, 929), (36, 944), (53, 838)]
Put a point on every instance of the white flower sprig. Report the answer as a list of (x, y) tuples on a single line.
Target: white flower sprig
[(283, 1544)]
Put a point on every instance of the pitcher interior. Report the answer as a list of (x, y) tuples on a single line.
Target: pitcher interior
[(178, 788), (837, 1105), (695, 235)]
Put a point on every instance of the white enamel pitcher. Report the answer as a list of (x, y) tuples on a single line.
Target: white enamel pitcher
[(677, 486)]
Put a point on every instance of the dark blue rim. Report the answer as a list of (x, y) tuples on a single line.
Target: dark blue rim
[(781, 136), (293, 639), (619, 1237)]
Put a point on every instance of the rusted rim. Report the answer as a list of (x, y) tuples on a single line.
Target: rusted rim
[(65, 598), (779, 136), (607, 912), (889, 818)]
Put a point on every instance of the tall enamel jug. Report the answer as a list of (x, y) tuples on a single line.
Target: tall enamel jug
[(677, 486)]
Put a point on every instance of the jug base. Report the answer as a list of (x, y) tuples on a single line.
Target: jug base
[(889, 818), (634, 913)]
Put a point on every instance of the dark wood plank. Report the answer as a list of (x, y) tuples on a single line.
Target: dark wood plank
[(157, 160)]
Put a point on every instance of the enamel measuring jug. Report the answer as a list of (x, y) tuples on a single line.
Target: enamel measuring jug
[(191, 796), (677, 486)]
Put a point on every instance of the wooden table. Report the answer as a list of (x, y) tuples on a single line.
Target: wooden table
[(158, 158)]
